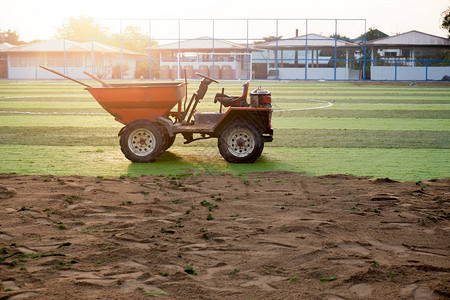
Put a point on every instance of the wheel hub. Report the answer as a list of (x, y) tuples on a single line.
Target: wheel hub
[(142, 142), (241, 142)]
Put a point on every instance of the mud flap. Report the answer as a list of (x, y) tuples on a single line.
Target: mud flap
[(122, 130)]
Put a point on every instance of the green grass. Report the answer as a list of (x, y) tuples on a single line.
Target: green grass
[(397, 164), (58, 121), (363, 123), (304, 138), (391, 130)]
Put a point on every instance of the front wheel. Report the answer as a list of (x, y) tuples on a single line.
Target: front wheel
[(142, 141), (241, 142)]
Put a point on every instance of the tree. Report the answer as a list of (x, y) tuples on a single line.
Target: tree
[(132, 39), (446, 20), (270, 38), (373, 34), (339, 37), (84, 28), (10, 37)]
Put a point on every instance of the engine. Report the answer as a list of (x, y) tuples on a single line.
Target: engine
[(260, 98)]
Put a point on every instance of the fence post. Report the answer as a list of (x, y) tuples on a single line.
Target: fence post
[(364, 51), (179, 49), (121, 51), (335, 48), (426, 70), (306, 51), (92, 49), (395, 78), (64, 55), (276, 52), (249, 74), (212, 54), (150, 73)]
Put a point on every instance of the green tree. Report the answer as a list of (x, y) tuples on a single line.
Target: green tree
[(340, 37), (266, 39), (373, 34), (84, 28), (132, 39), (446, 20), (10, 37)]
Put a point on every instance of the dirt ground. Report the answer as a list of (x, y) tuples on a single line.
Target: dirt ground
[(274, 235)]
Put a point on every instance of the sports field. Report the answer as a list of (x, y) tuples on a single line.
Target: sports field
[(380, 130)]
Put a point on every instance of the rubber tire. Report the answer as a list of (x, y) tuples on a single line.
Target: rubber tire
[(249, 127), (169, 140), (159, 141)]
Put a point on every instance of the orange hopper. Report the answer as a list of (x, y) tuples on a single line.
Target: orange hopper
[(134, 101)]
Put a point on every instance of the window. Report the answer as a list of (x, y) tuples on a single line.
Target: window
[(390, 53), (98, 61), (74, 61), (55, 60), (288, 58)]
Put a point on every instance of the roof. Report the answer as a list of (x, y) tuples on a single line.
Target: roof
[(313, 40), (202, 43), (5, 46), (411, 38), (68, 46)]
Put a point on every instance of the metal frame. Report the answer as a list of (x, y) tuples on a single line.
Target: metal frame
[(246, 42)]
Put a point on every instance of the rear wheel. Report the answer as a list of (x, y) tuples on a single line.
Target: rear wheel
[(142, 141), (241, 142)]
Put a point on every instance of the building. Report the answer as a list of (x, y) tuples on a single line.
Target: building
[(4, 60), (68, 57), (311, 56), (412, 55), (217, 58)]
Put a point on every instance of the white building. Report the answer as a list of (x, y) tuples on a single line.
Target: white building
[(4, 60), (68, 57), (219, 59), (411, 55), (311, 56)]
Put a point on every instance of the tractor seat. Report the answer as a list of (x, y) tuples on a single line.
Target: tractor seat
[(234, 101)]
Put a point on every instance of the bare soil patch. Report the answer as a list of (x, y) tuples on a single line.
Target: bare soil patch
[(274, 235)]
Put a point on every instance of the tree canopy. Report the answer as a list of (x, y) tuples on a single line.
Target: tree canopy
[(132, 39), (373, 34), (84, 28), (11, 37), (446, 21)]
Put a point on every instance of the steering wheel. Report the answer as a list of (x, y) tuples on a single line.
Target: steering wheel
[(206, 77)]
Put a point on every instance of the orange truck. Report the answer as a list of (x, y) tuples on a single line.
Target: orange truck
[(154, 113)]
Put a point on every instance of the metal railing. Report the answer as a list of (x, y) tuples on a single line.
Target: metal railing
[(248, 39)]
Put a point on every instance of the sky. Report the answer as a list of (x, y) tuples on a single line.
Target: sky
[(39, 19)]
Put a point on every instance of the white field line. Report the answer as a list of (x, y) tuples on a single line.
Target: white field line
[(430, 104), (50, 113), (44, 96), (350, 104), (327, 104)]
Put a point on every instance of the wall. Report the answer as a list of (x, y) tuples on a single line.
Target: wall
[(75, 72), (317, 73), (408, 73), (237, 71)]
